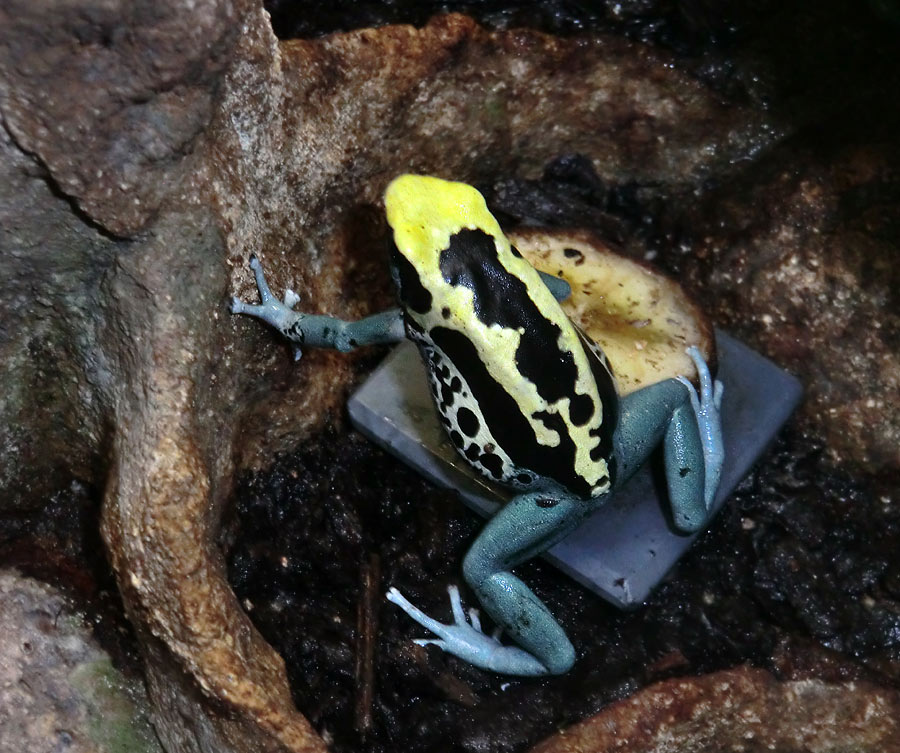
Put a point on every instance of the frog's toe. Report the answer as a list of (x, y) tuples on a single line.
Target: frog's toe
[(707, 407), (240, 307), (438, 628), (262, 286), (429, 642), (467, 641)]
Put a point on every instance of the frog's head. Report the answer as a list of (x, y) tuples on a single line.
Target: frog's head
[(424, 212)]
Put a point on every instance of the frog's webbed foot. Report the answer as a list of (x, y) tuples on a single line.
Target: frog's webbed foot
[(707, 411), (467, 641), (270, 309)]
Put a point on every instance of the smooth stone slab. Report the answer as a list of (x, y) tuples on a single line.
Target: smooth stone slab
[(627, 546)]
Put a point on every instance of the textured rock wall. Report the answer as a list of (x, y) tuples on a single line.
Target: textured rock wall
[(147, 149)]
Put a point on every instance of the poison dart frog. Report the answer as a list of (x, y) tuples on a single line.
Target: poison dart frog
[(528, 400)]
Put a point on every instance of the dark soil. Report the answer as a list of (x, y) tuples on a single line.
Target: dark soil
[(789, 574)]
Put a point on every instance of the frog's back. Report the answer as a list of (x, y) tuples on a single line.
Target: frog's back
[(521, 396)]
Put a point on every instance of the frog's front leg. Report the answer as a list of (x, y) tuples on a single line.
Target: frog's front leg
[(528, 525), (557, 286), (315, 330)]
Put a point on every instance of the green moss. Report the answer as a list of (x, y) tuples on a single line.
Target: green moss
[(117, 721)]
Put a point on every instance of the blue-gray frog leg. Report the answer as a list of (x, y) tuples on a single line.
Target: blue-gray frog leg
[(314, 330), (558, 287), (689, 428), (706, 408), (526, 526)]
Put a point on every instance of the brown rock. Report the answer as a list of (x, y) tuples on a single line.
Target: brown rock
[(741, 709), (58, 689), (112, 98)]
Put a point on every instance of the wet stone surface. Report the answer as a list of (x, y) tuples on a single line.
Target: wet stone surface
[(743, 709), (790, 577), (59, 690)]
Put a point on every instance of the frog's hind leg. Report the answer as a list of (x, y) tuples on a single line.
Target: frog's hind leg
[(706, 406), (528, 525), (525, 527), (689, 428)]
